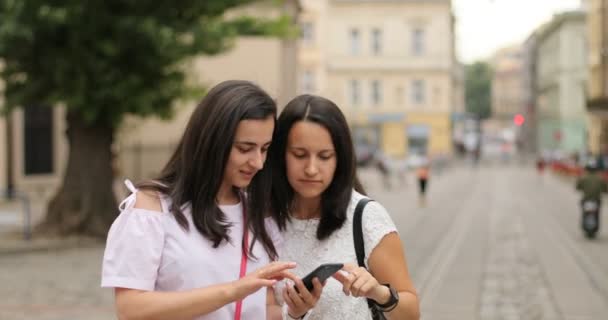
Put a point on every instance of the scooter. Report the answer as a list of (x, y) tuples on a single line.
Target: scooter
[(591, 217)]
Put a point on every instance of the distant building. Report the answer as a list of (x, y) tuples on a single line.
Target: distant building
[(528, 134), (391, 67), (561, 80), (507, 87), (597, 89)]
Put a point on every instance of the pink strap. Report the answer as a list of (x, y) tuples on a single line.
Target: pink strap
[(239, 303)]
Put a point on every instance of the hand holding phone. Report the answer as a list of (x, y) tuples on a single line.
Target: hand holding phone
[(322, 272), (300, 303)]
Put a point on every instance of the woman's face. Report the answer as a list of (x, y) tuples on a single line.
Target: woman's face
[(249, 150), (310, 159)]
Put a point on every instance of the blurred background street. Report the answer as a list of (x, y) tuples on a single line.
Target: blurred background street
[(494, 242)]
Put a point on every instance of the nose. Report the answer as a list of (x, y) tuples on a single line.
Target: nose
[(311, 168), (257, 160)]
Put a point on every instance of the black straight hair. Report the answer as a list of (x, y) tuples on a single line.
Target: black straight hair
[(194, 173), (336, 198)]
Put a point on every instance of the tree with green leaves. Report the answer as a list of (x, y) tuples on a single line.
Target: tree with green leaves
[(102, 60), (478, 89)]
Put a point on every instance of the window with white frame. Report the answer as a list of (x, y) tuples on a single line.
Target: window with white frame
[(354, 93), (418, 90), (418, 35), (376, 41), (355, 41), (308, 82), (376, 92), (307, 33)]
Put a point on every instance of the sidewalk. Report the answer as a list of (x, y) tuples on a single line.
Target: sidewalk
[(13, 243)]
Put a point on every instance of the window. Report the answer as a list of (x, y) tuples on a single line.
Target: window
[(418, 92), (376, 41), (38, 138), (418, 138), (355, 38), (376, 92), (354, 89), (418, 41), (307, 33), (308, 82)]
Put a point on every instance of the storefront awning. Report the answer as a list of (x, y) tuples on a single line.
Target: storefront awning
[(418, 131)]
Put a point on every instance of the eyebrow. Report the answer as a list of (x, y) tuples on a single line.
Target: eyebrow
[(304, 149), (249, 143)]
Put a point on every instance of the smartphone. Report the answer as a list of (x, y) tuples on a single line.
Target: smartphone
[(322, 272)]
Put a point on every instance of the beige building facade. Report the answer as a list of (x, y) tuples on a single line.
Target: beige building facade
[(390, 66), (561, 82), (507, 84), (597, 89)]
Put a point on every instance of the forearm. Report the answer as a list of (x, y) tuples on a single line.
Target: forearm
[(274, 312), (273, 309), (407, 309), (154, 305)]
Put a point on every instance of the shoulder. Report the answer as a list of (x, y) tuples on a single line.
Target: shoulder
[(148, 200), (372, 207)]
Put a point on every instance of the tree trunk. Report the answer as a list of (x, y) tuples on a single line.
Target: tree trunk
[(85, 203)]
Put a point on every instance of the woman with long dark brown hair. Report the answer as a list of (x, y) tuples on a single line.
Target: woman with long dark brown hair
[(196, 242), (317, 198)]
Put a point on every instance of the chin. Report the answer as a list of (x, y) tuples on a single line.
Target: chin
[(309, 193), (242, 183)]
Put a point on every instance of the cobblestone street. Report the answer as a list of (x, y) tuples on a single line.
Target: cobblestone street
[(492, 243), (57, 285)]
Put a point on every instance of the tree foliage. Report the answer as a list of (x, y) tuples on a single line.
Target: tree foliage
[(105, 58), (478, 89), (102, 60)]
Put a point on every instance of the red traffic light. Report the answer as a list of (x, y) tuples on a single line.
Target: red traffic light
[(519, 119)]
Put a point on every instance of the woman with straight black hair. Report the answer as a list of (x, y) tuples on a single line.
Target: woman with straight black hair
[(196, 242), (314, 195)]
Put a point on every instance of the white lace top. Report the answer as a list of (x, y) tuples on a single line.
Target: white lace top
[(301, 245)]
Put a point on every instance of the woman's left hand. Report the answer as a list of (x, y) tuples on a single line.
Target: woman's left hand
[(358, 282)]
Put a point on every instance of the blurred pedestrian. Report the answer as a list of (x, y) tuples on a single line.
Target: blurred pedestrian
[(191, 244), (316, 192), (422, 173), (540, 165), (384, 168)]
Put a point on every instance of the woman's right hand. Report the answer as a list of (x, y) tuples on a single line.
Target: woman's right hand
[(265, 276), (300, 301)]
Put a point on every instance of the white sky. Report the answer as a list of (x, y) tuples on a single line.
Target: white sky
[(483, 26)]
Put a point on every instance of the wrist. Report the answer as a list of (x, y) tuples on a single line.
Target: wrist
[(392, 302), (233, 291), (291, 315), (382, 294)]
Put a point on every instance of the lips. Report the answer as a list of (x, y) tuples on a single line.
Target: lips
[(247, 174), (310, 181)]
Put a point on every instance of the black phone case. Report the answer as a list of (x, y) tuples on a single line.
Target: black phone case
[(323, 272)]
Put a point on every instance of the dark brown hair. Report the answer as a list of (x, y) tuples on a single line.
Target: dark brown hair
[(194, 173), (336, 198)]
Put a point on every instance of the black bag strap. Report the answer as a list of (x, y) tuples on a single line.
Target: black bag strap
[(358, 237), (358, 231)]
